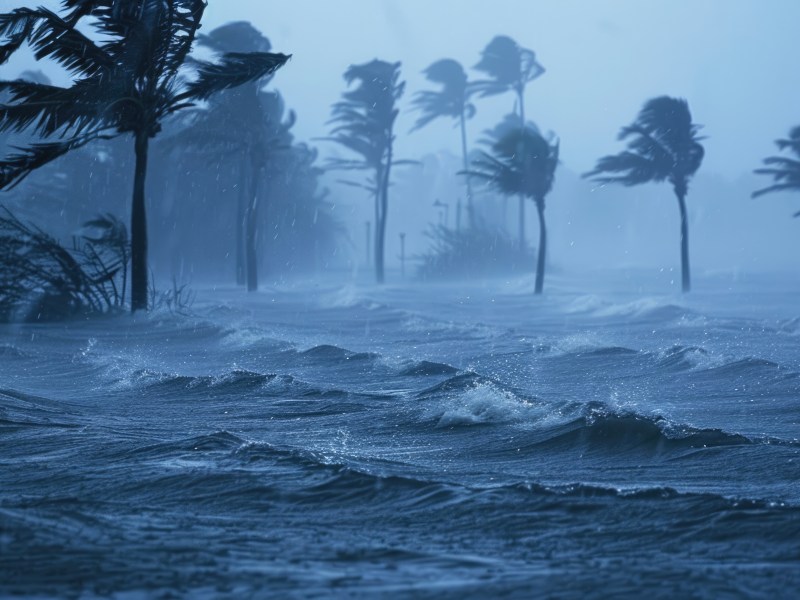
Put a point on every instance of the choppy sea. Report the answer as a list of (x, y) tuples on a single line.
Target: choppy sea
[(609, 439)]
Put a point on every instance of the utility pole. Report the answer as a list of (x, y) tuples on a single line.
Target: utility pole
[(403, 255), (458, 216), (369, 243)]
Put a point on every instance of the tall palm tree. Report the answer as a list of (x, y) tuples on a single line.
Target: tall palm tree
[(126, 83), (364, 123), (509, 68), (452, 100), (663, 145), (522, 162), (785, 171)]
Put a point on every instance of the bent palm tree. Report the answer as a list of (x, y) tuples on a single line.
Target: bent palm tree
[(663, 145), (452, 100), (364, 124), (785, 171), (510, 68), (522, 162), (127, 83)]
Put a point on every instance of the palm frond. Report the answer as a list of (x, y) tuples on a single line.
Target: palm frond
[(232, 70), (14, 168)]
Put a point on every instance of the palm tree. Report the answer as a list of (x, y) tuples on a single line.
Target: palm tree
[(663, 145), (127, 83), (364, 124), (522, 162), (785, 171), (510, 68), (452, 100)]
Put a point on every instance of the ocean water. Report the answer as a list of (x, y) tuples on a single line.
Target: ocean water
[(609, 439)]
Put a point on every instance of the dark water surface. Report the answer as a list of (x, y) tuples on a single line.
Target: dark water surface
[(419, 441)]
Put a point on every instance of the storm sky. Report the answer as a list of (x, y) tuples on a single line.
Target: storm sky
[(734, 60)]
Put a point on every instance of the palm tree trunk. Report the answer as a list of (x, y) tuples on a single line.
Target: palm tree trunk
[(240, 220), (381, 233), (251, 230), (541, 259), (139, 226), (685, 274), (470, 208), (521, 97)]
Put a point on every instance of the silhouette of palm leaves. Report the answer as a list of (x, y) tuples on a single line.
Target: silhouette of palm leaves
[(663, 144), (785, 171), (128, 82), (451, 100)]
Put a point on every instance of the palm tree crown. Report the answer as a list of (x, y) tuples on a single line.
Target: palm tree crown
[(785, 171), (663, 145), (128, 82), (521, 162), (451, 100), (509, 68)]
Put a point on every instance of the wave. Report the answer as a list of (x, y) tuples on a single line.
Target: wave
[(651, 308), (328, 353), (301, 476), (428, 369)]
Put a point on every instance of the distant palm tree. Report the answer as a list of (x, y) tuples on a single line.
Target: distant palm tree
[(522, 162), (452, 100), (246, 125), (785, 171), (126, 83), (510, 68), (364, 123), (663, 146)]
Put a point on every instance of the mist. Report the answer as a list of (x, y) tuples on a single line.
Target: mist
[(399, 298)]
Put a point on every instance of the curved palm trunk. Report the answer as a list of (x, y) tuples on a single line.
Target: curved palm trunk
[(380, 233), (685, 274), (470, 208), (251, 231), (139, 227), (541, 259), (240, 220)]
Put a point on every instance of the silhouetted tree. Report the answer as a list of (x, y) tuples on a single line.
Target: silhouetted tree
[(364, 123), (245, 125), (510, 68), (238, 113), (784, 171), (128, 82), (452, 100), (523, 163), (663, 145)]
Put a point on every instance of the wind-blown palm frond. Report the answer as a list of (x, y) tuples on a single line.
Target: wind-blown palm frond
[(452, 100), (231, 70), (663, 144), (521, 162), (785, 172), (508, 66)]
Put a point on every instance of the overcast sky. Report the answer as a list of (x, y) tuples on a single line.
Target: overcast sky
[(734, 60)]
